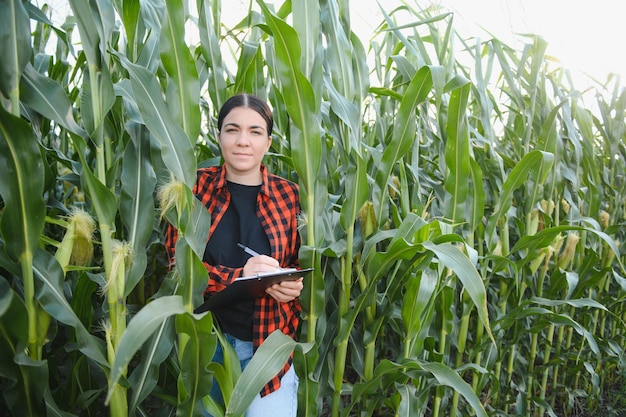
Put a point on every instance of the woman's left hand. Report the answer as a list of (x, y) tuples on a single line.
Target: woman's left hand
[(286, 290)]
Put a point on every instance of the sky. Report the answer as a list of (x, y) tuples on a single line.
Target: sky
[(586, 36)]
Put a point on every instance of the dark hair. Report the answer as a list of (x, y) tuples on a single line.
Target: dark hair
[(250, 101)]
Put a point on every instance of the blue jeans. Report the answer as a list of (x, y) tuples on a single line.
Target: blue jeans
[(280, 403)]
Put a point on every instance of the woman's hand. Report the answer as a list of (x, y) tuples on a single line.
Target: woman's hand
[(286, 290), (260, 264), (283, 292)]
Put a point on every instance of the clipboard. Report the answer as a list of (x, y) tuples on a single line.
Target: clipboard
[(247, 288)]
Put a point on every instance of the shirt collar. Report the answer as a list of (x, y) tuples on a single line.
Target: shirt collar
[(221, 180)]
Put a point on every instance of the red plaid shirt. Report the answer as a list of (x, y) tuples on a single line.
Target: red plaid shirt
[(278, 206)]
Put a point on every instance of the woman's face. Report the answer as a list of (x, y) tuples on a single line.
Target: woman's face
[(244, 140)]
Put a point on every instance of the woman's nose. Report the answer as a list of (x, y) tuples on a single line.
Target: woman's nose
[(243, 139)]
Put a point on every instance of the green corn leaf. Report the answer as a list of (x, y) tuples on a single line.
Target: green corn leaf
[(410, 403), (402, 246), (48, 98), (51, 296), (149, 52), (525, 311), (104, 201), (357, 306), (268, 359), (176, 149), (210, 49), (486, 106), (390, 372), (405, 67), (338, 54), (26, 397), (360, 69), (420, 288), (357, 188), (564, 319), (404, 134), (546, 236), (198, 228), (405, 123), (478, 195), (306, 22), (250, 71), (14, 330), (189, 266), (124, 90), (578, 303), (21, 187), (533, 162), (184, 90), (195, 379), (97, 98), (300, 102), (96, 25), (225, 374), (537, 63), (26, 378), (384, 368), (53, 410), (500, 51), (446, 376), (130, 15), (548, 143), (457, 153), (138, 182), (15, 46), (458, 262), (141, 327), (416, 49)]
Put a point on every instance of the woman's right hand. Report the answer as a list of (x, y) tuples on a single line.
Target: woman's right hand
[(260, 264)]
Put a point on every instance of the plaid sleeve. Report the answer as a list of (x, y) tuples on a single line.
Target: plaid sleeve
[(171, 235), (220, 277)]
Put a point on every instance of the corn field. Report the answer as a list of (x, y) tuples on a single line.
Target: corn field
[(463, 208)]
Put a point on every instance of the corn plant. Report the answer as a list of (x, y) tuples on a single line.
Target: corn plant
[(462, 207)]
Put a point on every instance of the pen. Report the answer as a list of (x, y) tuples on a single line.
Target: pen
[(248, 250), (253, 253)]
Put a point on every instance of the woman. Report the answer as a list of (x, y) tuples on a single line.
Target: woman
[(251, 207)]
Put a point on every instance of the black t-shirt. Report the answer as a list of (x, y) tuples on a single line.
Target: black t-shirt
[(239, 224)]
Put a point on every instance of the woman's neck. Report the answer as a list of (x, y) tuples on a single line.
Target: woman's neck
[(254, 178)]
